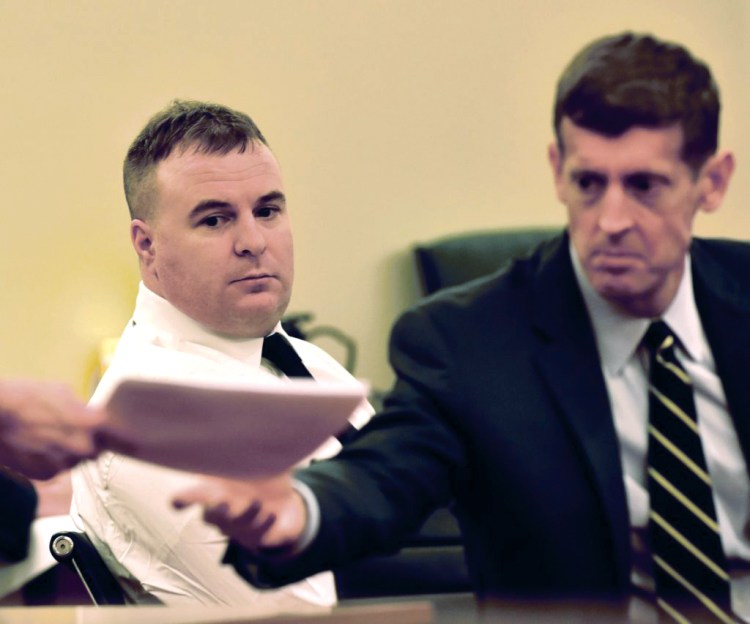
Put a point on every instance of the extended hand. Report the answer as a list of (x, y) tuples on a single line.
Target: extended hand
[(44, 427), (262, 513)]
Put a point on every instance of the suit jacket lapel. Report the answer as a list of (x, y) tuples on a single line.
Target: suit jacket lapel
[(569, 365), (724, 307)]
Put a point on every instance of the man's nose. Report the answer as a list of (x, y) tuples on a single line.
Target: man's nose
[(615, 215), (250, 239)]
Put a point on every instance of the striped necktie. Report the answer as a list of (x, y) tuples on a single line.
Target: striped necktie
[(692, 583), (278, 351)]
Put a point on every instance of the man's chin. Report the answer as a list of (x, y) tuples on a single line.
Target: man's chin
[(262, 318), (635, 300), (617, 289), (247, 324)]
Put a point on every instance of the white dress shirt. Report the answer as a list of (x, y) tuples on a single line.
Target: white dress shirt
[(625, 367), (124, 504)]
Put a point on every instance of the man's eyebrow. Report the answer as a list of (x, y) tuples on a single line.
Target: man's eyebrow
[(273, 196), (649, 174), (586, 171), (207, 205)]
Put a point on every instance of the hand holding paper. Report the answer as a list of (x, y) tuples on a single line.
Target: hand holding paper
[(266, 513), (44, 427)]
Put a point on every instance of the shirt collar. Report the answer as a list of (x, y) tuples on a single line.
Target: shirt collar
[(155, 313), (618, 334)]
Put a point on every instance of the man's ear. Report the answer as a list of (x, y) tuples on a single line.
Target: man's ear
[(143, 243), (555, 160), (714, 180)]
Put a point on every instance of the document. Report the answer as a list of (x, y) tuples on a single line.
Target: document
[(224, 429)]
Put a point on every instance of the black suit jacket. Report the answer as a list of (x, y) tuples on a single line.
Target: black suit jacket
[(18, 502), (500, 404)]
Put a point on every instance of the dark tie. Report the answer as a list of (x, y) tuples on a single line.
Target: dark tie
[(689, 563), (279, 352)]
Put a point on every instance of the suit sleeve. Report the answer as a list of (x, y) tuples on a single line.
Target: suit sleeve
[(18, 510), (401, 466)]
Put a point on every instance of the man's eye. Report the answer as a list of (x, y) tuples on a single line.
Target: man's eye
[(647, 188), (213, 221), (588, 184), (266, 212), (642, 183)]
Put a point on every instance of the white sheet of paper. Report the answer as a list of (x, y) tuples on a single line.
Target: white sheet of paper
[(249, 431)]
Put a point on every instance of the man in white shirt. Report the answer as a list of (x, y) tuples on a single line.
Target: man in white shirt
[(211, 228), (534, 396)]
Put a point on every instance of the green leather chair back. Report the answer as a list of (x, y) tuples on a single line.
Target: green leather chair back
[(459, 258)]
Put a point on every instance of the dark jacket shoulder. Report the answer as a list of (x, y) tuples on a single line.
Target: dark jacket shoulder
[(18, 510)]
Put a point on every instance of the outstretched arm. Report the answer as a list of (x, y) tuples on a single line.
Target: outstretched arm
[(367, 499)]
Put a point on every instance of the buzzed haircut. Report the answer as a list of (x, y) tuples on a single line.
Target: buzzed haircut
[(204, 126), (626, 80)]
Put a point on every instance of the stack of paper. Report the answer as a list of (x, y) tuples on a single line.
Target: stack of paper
[(249, 431)]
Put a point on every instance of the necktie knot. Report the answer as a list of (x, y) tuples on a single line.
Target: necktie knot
[(658, 337), (279, 352)]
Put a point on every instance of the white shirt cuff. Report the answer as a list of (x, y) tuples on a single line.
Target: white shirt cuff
[(313, 516)]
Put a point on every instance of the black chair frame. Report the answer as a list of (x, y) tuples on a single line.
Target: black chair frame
[(75, 551)]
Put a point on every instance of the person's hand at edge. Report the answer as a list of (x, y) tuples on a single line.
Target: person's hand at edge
[(44, 427)]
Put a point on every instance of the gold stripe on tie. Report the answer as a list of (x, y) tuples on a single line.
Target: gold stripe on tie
[(699, 472), (676, 615), (709, 522), (709, 604), (672, 407), (689, 546), (678, 372)]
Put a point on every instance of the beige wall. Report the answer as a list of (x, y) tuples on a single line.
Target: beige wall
[(395, 121)]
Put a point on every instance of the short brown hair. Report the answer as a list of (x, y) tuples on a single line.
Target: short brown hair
[(210, 128), (629, 79)]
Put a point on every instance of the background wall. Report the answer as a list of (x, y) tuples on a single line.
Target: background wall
[(395, 121)]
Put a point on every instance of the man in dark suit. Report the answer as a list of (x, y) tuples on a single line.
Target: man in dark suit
[(523, 396)]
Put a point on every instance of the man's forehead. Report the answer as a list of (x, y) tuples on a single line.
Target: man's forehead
[(639, 146), (194, 163)]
